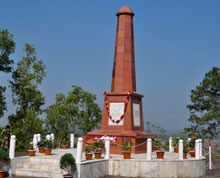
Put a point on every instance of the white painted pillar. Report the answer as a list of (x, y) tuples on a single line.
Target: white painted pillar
[(38, 137), (12, 147), (149, 148), (200, 147), (71, 140), (171, 149), (79, 150), (48, 137), (210, 156), (197, 149), (107, 148), (180, 149), (35, 142)]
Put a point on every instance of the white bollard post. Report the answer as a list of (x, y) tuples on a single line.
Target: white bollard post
[(197, 149), (107, 148), (35, 142), (12, 147), (71, 140), (171, 149), (149, 148), (210, 156), (79, 150), (38, 137), (180, 149), (200, 147), (48, 137)]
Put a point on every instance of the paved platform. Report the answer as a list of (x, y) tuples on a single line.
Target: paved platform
[(48, 166)]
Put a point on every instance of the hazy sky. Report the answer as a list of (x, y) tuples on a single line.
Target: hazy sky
[(176, 43)]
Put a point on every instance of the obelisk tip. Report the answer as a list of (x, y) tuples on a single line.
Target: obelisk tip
[(125, 10)]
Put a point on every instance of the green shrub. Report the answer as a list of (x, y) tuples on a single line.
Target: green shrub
[(68, 163)]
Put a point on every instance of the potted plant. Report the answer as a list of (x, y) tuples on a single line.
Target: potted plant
[(68, 163), (31, 151), (98, 146), (127, 149), (160, 154), (88, 151), (40, 146), (192, 145), (4, 158), (48, 147), (175, 142), (64, 142), (157, 143), (185, 150)]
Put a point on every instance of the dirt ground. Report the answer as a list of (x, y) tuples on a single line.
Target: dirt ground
[(209, 174)]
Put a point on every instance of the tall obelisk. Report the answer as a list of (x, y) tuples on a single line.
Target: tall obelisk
[(123, 75), (122, 110)]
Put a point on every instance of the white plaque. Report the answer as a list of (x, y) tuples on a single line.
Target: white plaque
[(136, 114), (116, 110)]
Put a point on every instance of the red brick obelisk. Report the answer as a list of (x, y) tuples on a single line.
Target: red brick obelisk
[(122, 111)]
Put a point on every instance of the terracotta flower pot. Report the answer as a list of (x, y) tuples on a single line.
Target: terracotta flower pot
[(68, 176), (98, 155), (127, 155), (64, 146), (184, 155), (41, 149), (31, 152), (192, 153), (160, 154), (2, 174), (176, 150), (157, 148), (47, 152), (88, 156)]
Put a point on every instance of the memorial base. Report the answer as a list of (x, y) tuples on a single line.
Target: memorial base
[(138, 138)]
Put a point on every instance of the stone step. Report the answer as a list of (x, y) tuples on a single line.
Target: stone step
[(42, 167), (37, 173), (48, 159)]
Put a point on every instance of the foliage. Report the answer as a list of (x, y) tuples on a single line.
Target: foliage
[(7, 47), (64, 141), (88, 148), (98, 146), (31, 146), (127, 146), (67, 162), (205, 107), (185, 147), (156, 129), (48, 144), (28, 75), (157, 142), (192, 142), (175, 141), (76, 112), (4, 157)]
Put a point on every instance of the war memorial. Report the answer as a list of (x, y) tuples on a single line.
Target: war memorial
[(123, 120)]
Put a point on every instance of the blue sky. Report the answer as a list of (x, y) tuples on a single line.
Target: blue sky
[(176, 43)]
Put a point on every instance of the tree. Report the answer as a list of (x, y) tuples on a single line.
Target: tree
[(205, 107), (76, 113), (25, 93), (7, 47), (156, 129)]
